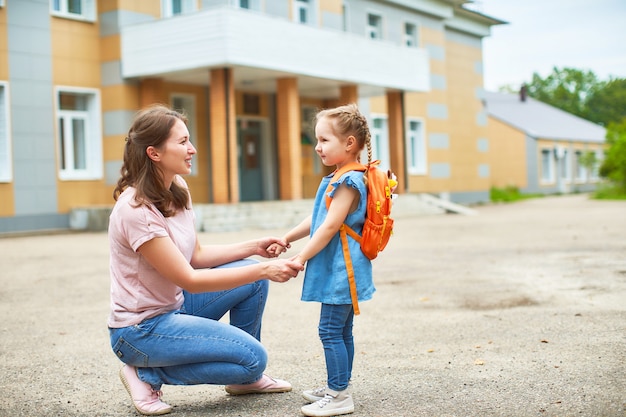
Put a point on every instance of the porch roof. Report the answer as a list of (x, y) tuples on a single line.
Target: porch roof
[(262, 48)]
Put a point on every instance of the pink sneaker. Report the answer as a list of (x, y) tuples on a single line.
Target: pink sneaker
[(146, 400), (265, 385)]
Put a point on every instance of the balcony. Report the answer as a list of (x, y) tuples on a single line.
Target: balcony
[(262, 48)]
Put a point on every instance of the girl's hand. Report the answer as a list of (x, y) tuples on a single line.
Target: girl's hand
[(275, 249), (298, 259), (271, 247)]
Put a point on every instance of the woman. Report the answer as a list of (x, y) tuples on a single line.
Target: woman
[(168, 291)]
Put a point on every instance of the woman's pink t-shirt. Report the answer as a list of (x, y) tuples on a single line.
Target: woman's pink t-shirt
[(138, 291)]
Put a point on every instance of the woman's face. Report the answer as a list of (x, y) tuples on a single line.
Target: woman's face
[(330, 147), (175, 154)]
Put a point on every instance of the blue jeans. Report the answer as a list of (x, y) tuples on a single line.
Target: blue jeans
[(190, 346), (335, 331)]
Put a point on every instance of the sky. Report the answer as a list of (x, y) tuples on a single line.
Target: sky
[(542, 34)]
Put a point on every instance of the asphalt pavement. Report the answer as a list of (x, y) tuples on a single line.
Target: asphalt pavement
[(519, 310)]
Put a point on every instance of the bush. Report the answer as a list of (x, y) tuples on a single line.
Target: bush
[(609, 192), (509, 194)]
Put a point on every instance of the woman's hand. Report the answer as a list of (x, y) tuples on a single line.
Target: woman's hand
[(282, 270)]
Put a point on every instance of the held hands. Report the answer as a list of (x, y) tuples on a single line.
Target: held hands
[(282, 270), (276, 249), (271, 247)]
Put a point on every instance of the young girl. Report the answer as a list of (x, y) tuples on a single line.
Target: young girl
[(341, 135)]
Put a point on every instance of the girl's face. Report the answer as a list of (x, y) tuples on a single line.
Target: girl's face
[(175, 154), (332, 149)]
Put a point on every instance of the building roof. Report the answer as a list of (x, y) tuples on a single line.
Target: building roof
[(541, 120)]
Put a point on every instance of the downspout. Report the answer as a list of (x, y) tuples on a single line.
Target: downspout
[(227, 113)]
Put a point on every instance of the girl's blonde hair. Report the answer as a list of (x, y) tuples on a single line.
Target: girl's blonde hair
[(348, 120)]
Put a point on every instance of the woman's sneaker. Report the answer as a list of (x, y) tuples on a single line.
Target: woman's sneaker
[(265, 385), (334, 403), (313, 395), (146, 400)]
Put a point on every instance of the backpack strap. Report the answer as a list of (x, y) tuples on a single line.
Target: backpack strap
[(346, 230)]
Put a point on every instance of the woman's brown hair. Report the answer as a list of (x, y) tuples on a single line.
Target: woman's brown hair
[(151, 127)]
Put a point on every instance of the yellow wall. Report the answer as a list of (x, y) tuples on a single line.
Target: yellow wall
[(463, 109), (76, 63), (6, 189), (462, 82), (507, 150), (4, 47), (138, 6)]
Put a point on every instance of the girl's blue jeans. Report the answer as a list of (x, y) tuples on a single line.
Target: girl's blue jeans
[(335, 331), (190, 346)]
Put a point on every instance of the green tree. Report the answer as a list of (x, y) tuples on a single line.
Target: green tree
[(614, 165), (567, 89), (608, 104)]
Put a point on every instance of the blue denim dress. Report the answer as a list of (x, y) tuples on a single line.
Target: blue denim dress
[(326, 278)]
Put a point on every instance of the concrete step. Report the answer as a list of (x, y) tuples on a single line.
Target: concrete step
[(286, 214), (267, 214)]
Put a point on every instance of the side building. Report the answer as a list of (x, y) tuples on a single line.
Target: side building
[(250, 74), (540, 149)]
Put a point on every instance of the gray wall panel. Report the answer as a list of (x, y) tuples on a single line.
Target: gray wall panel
[(30, 69), (117, 122)]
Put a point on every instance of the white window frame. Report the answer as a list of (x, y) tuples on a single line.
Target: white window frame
[(547, 177), (345, 8), (416, 157), (189, 108), (565, 167), (252, 5), (374, 31), (1, 3), (411, 40), (60, 8), (6, 156), (186, 6), (594, 175), (306, 6), (379, 137), (93, 135), (580, 173)]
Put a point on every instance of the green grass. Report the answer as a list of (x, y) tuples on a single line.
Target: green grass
[(509, 195), (609, 192)]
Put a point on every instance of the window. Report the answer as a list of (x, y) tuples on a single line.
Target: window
[(380, 141), (564, 164), (249, 4), (595, 171), (416, 147), (410, 35), (5, 135), (374, 26), (79, 134), (74, 9), (186, 104), (303, 11), (344, 16), (171, 8), (580, 168), (547, 166)]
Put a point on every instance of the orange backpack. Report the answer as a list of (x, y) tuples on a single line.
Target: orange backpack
[(378, 225)]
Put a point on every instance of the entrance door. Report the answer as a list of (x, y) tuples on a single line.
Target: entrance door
[(249, 133)]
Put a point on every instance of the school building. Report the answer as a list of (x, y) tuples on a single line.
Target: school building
[(250, 75)]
